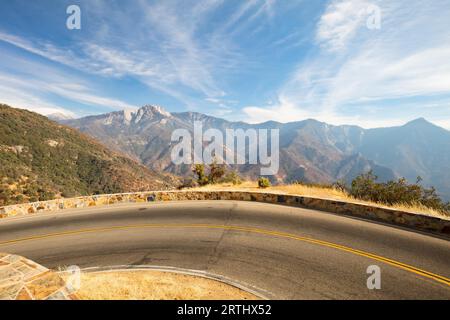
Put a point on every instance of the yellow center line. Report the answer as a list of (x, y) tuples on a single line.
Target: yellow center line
[(388, 261)]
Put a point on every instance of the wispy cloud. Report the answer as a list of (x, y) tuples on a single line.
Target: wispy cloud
[(340, 23), (31, 83), (157, 43), (406, 58), (22, 99)]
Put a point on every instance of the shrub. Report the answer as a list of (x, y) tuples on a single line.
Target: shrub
[(216, 172), (199, 171), (365, 187), (340, 185), (45, 195), (263, 183), (232, 177)]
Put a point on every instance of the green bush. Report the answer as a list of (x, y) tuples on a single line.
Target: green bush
[(263, 183), (199, 171), (232, 177), (365, 187), (216, 172)]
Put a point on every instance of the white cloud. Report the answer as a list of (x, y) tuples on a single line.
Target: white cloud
[(32, 82), (84, 96), (45, 49), (286, 112), (283, 111), (22, 99), (408, 58), (444, 123), (169, 46), (340, 23)]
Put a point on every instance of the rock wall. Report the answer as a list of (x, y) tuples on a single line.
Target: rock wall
[(23, 279), (405, 219)]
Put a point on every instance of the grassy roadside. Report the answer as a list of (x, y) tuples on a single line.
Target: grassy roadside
[(320, 192)]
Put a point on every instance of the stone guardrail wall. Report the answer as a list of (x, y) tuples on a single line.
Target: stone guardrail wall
[(23, 279), (386, 215)]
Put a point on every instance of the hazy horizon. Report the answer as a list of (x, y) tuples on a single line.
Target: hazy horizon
[(224, 118)]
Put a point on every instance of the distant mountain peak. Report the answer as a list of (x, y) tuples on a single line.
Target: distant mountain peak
[(149, 108), (419, 121), (150, 112)]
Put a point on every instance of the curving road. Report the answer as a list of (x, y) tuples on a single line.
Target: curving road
[(283, 252)]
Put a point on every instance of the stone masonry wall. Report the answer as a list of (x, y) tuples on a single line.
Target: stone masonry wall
[(405, 219), (23, 279)]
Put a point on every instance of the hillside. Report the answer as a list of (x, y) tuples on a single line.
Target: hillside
[(41, 159)]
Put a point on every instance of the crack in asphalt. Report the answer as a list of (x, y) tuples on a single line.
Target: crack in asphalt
[(214, 256)]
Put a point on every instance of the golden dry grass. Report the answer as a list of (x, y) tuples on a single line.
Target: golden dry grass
[(320, 192), (155, 285)]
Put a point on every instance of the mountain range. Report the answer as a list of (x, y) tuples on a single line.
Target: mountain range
[(41, 159), (310, 150)]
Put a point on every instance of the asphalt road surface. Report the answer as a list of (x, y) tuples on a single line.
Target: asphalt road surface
[(282, 252)]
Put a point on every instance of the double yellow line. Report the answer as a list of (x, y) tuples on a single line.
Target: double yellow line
[(397, 264)]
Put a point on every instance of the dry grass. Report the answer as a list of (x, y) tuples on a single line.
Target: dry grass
[(155, 285), (323, 193)]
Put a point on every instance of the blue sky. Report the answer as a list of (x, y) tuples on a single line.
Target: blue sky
[(250, 60)]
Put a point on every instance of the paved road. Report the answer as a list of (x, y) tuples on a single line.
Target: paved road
[(287, 253)]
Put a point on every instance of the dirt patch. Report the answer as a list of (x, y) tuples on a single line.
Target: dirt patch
[(155, 285)]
